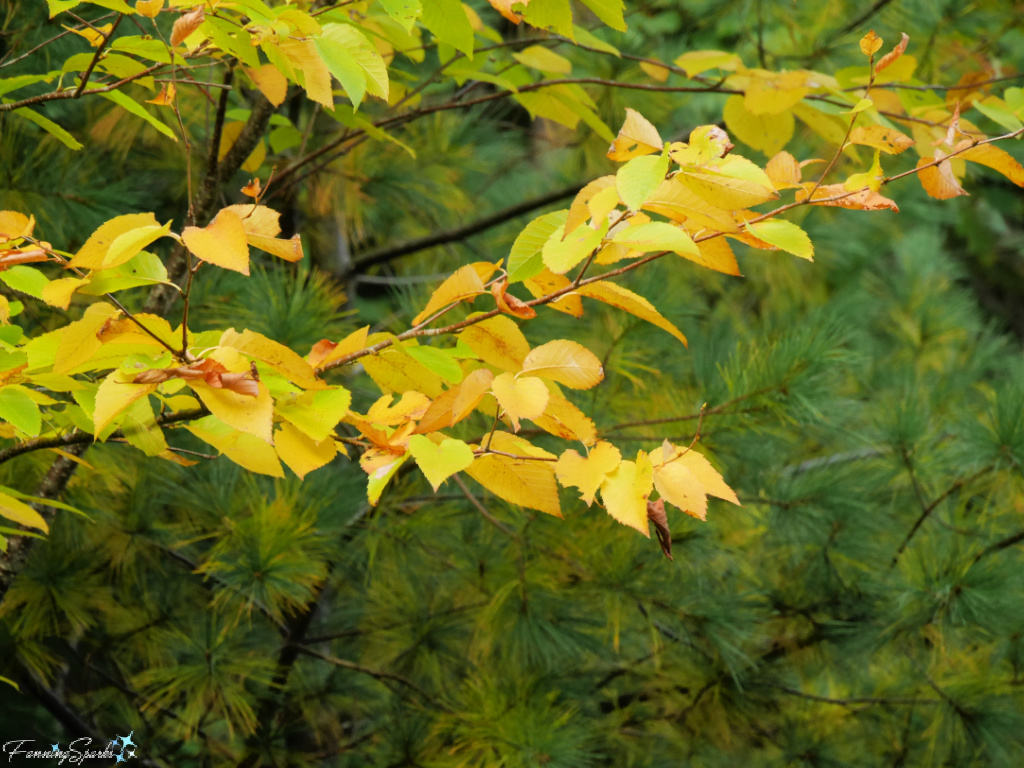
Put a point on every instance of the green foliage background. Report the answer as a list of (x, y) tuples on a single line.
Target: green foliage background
[(233, 620)]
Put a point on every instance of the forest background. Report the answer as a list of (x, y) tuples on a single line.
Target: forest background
[(861, 608)]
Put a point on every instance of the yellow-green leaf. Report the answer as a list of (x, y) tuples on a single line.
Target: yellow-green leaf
[(623, 298), (784, 235), (439, 462), (637, 180), (21, 513)]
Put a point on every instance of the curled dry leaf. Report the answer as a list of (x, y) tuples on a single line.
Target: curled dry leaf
[(656, 514), (210, 371), (894, 54), (837, 196), (252, 189), (187, 24), (509, 304), (165, 97)]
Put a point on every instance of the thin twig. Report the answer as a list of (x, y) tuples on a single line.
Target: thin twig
[(96, 56)]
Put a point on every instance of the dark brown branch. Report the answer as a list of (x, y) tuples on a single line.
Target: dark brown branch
[(96, 57), (69, 94), (387, 253), (1000, 545), (854, 700)]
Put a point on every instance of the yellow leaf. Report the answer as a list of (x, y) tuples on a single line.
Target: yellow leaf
[(504, 7), (938, 180), (655, 71), (301, 454), (456, 403), (695, 62), (499, 342), (997, 159), (257, 219), (587, 473), (289, 250), (701, 468), (735, 184), (439, 462), (775, 94), (657, 236), (279, 357), (525, 481), (395, 370), (625, 492), (229, 135), (784, 235), (623, 298), (525, 397), (563, 419), (636, 137), (166, 96), (316, 77), (543, 59), (681, 488), (783, 170), (14, 225), (149, 8), (676, 201), (21, 513), (463, 284), (832, 128), (547, 282), (78, 340), (889, 140), (315, 413), (862, 200), (870, 43), (580, 210), (716, 254), (380, 473), (222, 242), (566, 362), (767, 133), (872, 179), (92, 254), (271, 83), (412, 405), (95, 35), (115, 393), (253, 415), (244, 449), (57, 293)]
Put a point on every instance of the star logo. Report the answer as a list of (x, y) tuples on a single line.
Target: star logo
[(120, 758), (126, 741), (56, 747)]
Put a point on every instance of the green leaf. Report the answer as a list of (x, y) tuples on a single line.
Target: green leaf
[(555, 15), (784, 235), (25, 279), (584, 37), (14, 83), (639, 178), (405, 12), (608, 11), (448, 22), (128, 103), (562, 255), (525, 259), (17, 408), (351, 58), (50, 127), (440, 361), (543, 59), (144, 269)]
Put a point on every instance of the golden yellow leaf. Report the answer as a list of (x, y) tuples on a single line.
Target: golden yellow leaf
[(563, 419), (256, 346), (463, 284), (623, 298), (997, 159), (441, 461), (773, 93), (271, 83), (412, 405), (888, 140), (380, 473), (938, 180), (625, 492), (456, 403), (395, 370), (166, 96), (229, 135), (244, 449), (579, 211), (21, 513), (253, 415), (78, 341), (716, 254), (149, 8), (301, 454), (58, 293), (676, 201), (525, 397), (316, 77), (499, 342), (95, 35), (783, 170), (221, 242), (524, 481), (91, 255), (14, 225), (566, 362), (733, 184), (115, 393), (767, 133), (289, 250), (257, 219), (587, 473), (504, 7), (870, 43), (681, 488), (636, 137), (701, 468), (657, 72), (547, 282), (695, 62)]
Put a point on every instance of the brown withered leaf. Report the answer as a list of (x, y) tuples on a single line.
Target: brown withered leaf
[(863, 200), (22, 256), (166, 96), (656, 514), (252, 189), (509, 304), (894, 54), (210, 371), (187, 24)]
